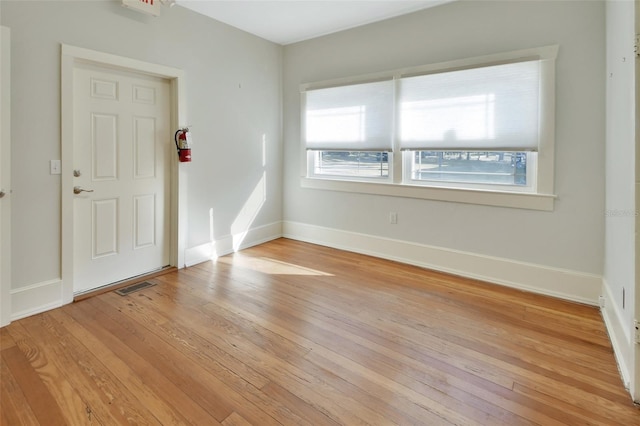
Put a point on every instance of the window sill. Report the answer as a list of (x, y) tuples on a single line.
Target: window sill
[(518, 200)]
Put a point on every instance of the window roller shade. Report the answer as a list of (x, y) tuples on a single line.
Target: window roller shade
[(488, 108), (350, 118)]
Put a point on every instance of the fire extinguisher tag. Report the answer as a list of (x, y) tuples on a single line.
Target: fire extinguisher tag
[(188, 134)]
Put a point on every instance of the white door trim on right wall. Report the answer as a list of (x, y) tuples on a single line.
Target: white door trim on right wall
[(70, 56), (5, 179), (635, 374)]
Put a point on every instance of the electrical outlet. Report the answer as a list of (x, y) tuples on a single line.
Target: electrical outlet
[(393, 218)]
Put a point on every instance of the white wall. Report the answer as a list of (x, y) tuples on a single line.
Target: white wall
[(568, 240), (233, 84), (620, 214)]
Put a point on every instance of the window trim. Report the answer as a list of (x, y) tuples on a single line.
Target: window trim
[(520, 200), (541, 199)]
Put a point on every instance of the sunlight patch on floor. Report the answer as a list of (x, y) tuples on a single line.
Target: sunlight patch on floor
[(270, 266)]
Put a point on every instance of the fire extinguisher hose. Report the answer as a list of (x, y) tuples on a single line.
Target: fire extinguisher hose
[(175, 138)]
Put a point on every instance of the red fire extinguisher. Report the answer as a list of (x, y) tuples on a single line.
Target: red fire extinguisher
[(183, 144)]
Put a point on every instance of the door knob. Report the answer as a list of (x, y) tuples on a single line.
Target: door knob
[(2, 193), (77, 190)]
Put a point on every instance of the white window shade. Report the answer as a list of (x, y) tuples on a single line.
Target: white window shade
[(350, 118), (488, 108)]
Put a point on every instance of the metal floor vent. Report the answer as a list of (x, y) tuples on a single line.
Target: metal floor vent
[(134, 287)]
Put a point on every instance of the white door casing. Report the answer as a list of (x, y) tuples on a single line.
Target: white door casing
[(5, 177), (121, 151), (635, 374), (71, 57)]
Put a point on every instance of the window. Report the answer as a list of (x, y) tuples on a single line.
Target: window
[(481, 124), (348, 131)]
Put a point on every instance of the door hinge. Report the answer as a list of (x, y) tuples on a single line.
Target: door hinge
[(636, 333), (636, 45)]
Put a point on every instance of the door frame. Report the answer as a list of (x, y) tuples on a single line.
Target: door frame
[(635, 344), (70, 56), (5, 204)]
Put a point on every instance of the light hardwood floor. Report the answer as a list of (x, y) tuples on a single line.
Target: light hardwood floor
[(297, 334)]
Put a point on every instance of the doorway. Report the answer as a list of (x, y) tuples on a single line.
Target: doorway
[(120, 174), (115, 230), (635, 379)]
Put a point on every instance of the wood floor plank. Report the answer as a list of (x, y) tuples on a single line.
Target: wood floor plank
[(6, 341), (297, 405), (104, 396), (290, 333), (283, 370), (31, 375), (235, 419), (119, 367), (444, 316), (148, 373), (589, 375), (281, 328), (319, 340), (216, 396), (412, 370), (579, 415), (177, 331), (290, 375), (15, 408), (196, 349)]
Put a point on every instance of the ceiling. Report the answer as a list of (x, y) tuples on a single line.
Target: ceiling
[(290, 21)]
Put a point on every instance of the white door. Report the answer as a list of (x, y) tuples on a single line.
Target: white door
[(5, 179), (121, 165)]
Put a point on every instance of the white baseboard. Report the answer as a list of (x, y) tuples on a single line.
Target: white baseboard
[(619, 334), (232, 243), (36, 298), (565, 284)]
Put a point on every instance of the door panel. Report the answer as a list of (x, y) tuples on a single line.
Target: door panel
[(121, 158), (104, 141), (144, 221), (104, 227), (144, 147)]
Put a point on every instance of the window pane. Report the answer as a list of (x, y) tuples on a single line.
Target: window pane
[(356, 164), (502, 168)]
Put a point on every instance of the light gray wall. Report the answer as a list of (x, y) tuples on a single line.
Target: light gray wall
[(570, 237), (233, 97), (621, 210)]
